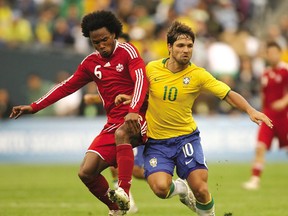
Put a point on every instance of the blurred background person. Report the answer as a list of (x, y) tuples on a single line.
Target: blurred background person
[(274, 83), (68, 106), (36, 88), (5, 104)]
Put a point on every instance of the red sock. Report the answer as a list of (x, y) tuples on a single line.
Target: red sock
[(257, 169), (99, 188), (125, 161)]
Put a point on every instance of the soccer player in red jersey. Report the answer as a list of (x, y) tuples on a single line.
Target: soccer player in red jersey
[(274, 82), (115, 68), (138, 169)]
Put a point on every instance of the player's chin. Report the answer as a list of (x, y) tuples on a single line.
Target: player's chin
[(105, 54), (185, 60)]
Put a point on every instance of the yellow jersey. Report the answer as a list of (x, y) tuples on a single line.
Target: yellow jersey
[(172, 95)]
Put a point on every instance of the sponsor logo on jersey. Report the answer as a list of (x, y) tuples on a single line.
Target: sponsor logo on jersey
[(107, 64), (157, 79), (187, 162)]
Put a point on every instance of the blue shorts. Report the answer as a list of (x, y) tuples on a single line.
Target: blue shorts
[(185, 152), (138, 156)]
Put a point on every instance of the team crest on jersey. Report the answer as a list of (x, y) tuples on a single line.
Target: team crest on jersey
[(153, 162), (186, 80), (119, 67)]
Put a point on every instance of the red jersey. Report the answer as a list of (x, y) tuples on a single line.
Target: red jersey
[(274, 83), (121, 73)]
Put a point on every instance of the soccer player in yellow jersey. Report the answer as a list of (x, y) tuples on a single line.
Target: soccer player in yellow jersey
[(173, 136)]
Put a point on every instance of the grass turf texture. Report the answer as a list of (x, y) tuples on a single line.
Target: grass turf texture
[(55, 190)]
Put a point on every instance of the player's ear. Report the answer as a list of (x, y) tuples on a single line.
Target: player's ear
[(169, 46)]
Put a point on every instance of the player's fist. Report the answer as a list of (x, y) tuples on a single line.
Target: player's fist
[(123, 98)]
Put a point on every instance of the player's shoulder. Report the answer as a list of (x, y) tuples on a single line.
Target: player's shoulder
[(194, 67), (196, 70), (158, 62), (127, 49), (283, 65), (90, 57)]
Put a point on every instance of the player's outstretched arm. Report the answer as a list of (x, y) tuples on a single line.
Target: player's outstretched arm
[(17, 111), (236, 100)]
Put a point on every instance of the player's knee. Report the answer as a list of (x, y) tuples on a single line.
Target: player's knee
[(138, 172), (121, 136), (202, 194), (84, 176), (160, 189)]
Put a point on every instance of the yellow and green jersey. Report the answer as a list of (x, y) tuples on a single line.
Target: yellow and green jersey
[(172, 95)]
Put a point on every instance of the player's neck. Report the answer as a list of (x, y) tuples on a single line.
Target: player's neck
[(174, 66)]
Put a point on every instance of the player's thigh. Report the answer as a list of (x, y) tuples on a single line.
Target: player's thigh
[(190, 155), (282, 132), (197, 180), (265, 135), (104, 146), (138, 172), (157, 161), (92, 164)]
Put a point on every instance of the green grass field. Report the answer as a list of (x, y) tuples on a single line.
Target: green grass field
[(55, 190)]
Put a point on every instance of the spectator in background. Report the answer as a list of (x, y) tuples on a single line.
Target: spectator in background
[(225, 13), (72, 11), (5, 104), (5, 19), (44, 25), (61, 35), (28, 9), (274, 34), (36, 88), (247, 84), (18, 31)]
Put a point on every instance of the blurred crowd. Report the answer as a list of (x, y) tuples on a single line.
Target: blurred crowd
[(230, 36)]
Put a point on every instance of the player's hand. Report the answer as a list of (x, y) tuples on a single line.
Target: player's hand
[(132, 121), (279, 105), (17, 111), (123, 98), (259, 117)]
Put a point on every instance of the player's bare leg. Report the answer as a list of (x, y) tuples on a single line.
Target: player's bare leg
[(257, 168), (197, 181), (164, 187), (138, 172), (90, 175)]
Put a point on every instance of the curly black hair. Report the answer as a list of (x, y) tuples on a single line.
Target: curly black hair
[(100, 19)]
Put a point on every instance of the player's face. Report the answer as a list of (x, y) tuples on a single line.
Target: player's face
[(181, 50), (273, 56), (103, 41)]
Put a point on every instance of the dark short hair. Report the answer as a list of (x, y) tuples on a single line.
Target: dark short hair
[(270, 44), (100, 19), (176, 29)]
